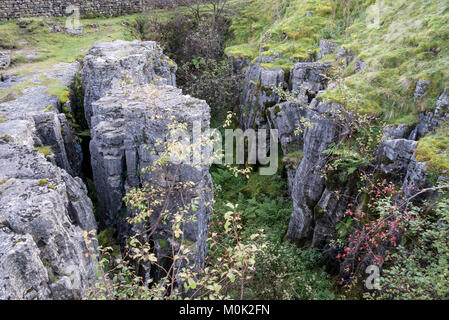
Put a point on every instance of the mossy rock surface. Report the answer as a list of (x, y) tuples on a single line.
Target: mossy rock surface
[(434, 149)]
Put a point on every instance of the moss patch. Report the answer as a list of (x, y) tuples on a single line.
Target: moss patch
[(45, 150), (106, 238), (434, 149), (291, 29), (293, 159)]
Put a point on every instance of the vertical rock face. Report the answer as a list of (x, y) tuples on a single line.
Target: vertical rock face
[(258, 94), (433, 119), (262, 107), (326, 48), (129, 125), (108, 65), (136, 61), (260, 103), (44, 211), (309, 184), (128, 135)]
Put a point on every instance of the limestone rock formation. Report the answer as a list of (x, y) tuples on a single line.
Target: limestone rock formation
[(44, 211), (128, 135), (432, 120), (132, 61), (259, 94), (131, 104), (326, 48), (307, 79), (5, 59), (52, 129), (309, 184), (421, 88)]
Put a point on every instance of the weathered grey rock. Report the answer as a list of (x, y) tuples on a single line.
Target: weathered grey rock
[(399, 131), (307, 79), (258, 94), (54, 29), (328, 212), (326, 48), (421, 88), (359, 65), (8, 80), (44, 211), (398, 161), (127, 130), (416, 178), (398, 153), (261, 107), (329, 47), (430, 121), (136, 61), (286, 118), (309, 183), (49, 129), (5, 59), (75, 32), (52, 127)]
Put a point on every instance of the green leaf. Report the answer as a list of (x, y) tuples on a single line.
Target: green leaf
[(192, 284), (351, 170)]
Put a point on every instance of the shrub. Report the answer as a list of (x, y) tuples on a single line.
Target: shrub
[(418, 268)]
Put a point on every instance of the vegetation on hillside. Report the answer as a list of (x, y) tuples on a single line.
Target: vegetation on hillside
[(400, 41)]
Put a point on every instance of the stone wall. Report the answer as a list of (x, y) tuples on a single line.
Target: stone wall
[(12, 9)]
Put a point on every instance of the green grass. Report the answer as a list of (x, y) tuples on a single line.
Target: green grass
[(53, 48), (434, 149), (409, 43), (45, 150), (287, 30)]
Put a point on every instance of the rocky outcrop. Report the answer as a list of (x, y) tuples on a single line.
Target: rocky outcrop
[(130, 119), (133, 62), (309, 184), (5, 59), (326, 48), (307, 79), (398, 153), (261, 107), (44, 211), (399, 164), (430, 121), (421, 88), (286, 118), (259, 94)]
